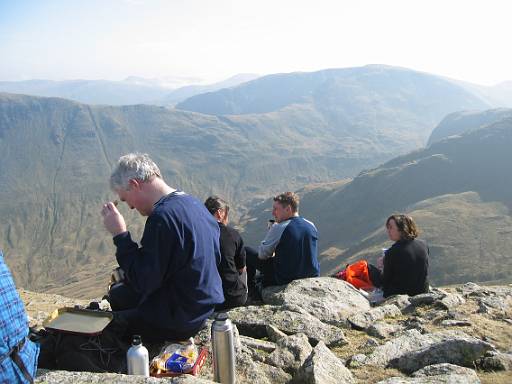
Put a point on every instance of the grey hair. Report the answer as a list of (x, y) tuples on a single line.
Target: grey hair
[(136, 166)]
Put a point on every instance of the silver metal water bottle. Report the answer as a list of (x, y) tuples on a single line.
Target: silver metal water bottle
[(137, 358), (223, 350)]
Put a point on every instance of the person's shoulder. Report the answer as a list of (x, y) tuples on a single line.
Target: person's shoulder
[(305, 222), (420, 243), (231, 231), (174, 201)]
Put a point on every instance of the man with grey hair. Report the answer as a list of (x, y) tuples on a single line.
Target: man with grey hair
[(171, 281)]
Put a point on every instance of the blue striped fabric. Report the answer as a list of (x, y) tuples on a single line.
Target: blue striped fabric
[(13, 329)]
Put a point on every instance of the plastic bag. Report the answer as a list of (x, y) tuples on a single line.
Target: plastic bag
[(175, 358)]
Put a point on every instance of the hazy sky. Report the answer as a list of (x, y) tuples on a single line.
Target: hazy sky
[(214, 39)]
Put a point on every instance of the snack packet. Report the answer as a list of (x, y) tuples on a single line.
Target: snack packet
[(175, 358)]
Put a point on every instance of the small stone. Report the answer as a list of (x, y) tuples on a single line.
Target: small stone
[(455, 323), (290, 353), (450, 301), (273, 333), (262, 345), (357, 361), (383, 330), (495, 362), (401, 301), (372, 343), (364, 319), (322, 366), (425, 299), (442, 369)]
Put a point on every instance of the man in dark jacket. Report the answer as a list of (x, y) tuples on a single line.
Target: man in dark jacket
[(289, 250), (171, 281)]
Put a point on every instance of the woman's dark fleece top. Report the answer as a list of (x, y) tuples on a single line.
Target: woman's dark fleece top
[(406, 268)]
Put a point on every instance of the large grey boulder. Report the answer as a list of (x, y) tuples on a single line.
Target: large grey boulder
[(414, 350), (290, 353), (443, 369), (328, 299), (323, 367), (252, 321), (438, 373), (364, 319), (496, 305)]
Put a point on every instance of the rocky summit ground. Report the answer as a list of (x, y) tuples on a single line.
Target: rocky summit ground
[(322, 330)]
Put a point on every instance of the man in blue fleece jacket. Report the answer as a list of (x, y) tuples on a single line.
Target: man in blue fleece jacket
[(289, 250), (171, 280)]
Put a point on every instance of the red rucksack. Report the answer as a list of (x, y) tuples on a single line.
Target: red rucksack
[(357, 274)]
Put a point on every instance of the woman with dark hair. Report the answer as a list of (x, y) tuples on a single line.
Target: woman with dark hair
[(232, 268), (406, 262)]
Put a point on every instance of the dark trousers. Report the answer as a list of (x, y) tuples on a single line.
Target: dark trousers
[(231, 302), (124, 301), (266, 268), (237, 299)]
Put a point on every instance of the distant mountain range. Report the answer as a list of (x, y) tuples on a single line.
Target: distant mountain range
[(185, 92), (313, 128), (382, 88), (132, 90), (458, 189)]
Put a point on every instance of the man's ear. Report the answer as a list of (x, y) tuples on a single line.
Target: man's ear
[(134, 184)]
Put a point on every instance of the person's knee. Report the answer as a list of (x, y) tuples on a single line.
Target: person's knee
[(122, 296)]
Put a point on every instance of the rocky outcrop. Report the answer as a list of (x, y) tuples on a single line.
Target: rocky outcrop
[(439, 337)]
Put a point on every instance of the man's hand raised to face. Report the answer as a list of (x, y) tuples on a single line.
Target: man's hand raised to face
[(112, 219)]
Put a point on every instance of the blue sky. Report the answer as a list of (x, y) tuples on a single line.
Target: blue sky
[(212, 40)]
